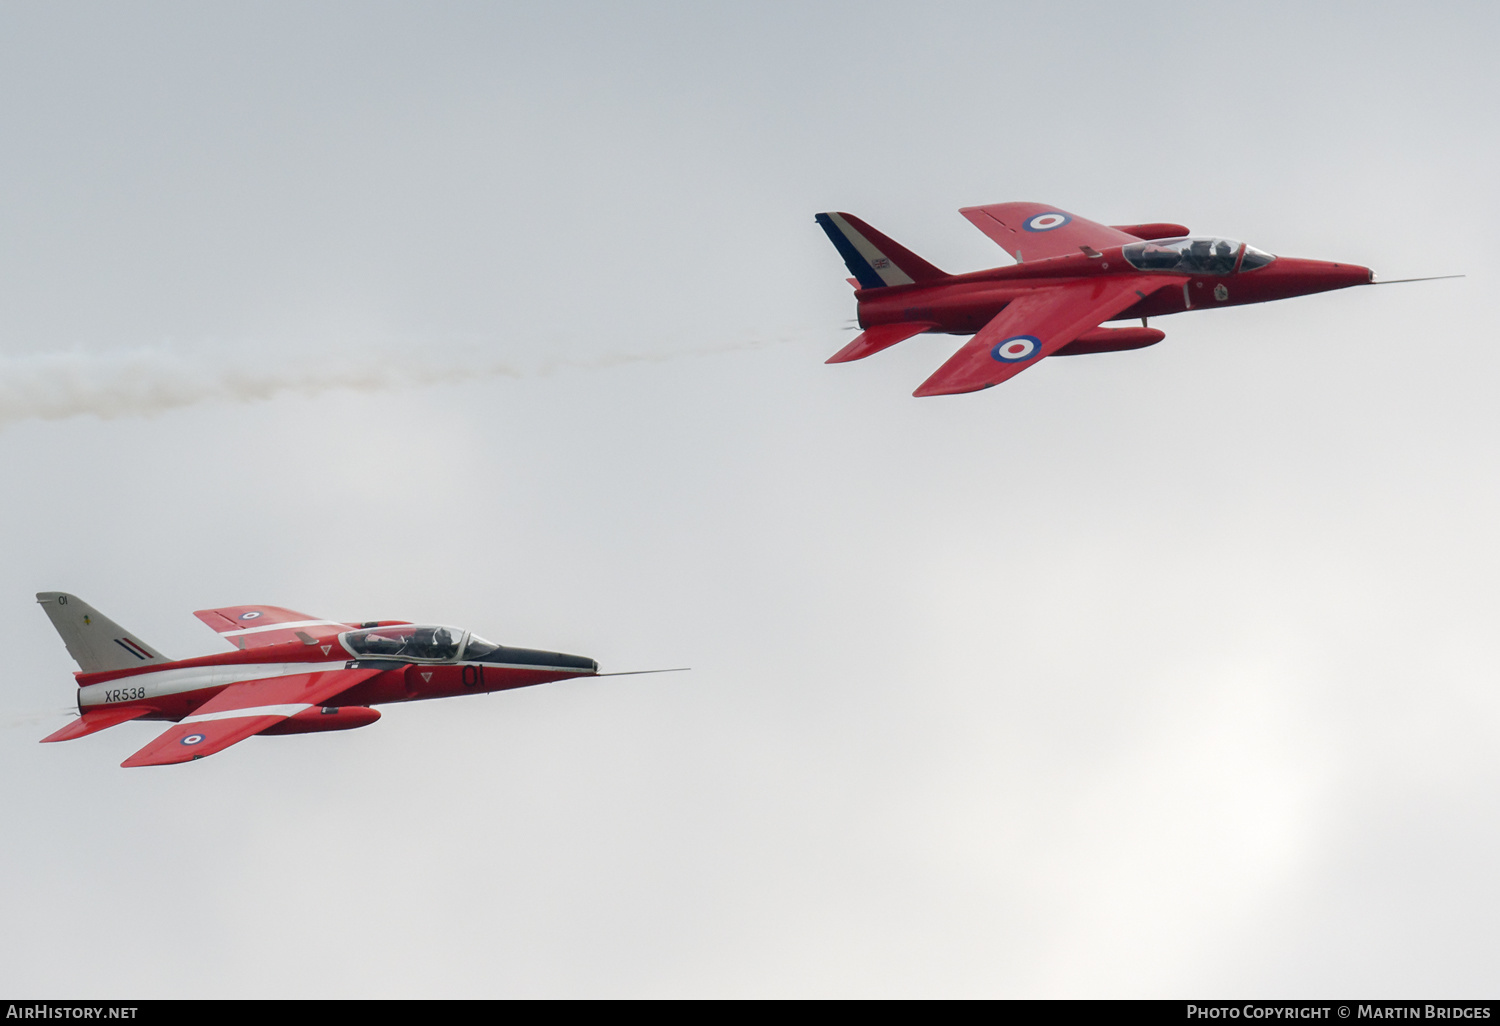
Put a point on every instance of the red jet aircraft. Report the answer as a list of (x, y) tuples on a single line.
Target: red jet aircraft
[(290, 673), (1070, 276)]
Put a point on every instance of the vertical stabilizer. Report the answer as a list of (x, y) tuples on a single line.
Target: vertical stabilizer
[(875, 260), (95, 641)]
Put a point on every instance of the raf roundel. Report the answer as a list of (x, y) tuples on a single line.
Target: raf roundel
[(1046, 222), (193, 739), (250, 615), (1016, 348)]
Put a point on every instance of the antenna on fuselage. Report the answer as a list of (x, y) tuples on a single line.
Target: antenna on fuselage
[(633, 673), (1398, 281)]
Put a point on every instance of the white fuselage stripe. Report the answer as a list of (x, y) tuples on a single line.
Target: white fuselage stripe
[(283, 711), (182, 679), (284, 627)]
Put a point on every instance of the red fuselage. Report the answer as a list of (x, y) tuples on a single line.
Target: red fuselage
[(963, 303), (170, 691)]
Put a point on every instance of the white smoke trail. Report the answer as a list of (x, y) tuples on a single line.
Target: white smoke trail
[(38, 719), (146, 381), (143, 382)]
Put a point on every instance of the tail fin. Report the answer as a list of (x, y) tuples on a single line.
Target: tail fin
[(95, 641), (874, 260)]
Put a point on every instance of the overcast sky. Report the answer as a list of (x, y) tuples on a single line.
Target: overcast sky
[(1161, 673)]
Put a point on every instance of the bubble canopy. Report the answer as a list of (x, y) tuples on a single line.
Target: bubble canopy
[(407, 641), (1195, 255), (437, 643)]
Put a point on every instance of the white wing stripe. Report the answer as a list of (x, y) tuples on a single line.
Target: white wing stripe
[(282, 627), (259, 710)]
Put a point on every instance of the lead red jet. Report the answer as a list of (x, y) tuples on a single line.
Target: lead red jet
[(290, 673), (1070, 276)]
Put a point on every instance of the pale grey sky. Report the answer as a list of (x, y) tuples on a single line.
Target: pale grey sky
[(1146, 674)]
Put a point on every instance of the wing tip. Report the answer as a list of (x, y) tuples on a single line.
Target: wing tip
[(928, 388), (134, 762)]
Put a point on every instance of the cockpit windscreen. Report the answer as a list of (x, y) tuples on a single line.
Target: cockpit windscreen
[(1185, 256)]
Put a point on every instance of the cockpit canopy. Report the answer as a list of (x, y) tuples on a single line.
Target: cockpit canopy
[(1195, 256), (427, 642), (434, 643)]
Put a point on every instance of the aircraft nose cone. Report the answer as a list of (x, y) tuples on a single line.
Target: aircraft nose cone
[(542, 660), (1349, 274), (1301, 277)]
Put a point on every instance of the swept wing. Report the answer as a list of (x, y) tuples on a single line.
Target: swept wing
[(247, 627), (1035, 231), (1035, 326), (242, 710)]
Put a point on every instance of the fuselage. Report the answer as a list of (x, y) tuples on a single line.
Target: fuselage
[(170, 691), (963, 303)]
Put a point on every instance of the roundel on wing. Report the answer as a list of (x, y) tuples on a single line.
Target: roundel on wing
[(1047, 221), (193, 739), (250, 615), (1016, 348)]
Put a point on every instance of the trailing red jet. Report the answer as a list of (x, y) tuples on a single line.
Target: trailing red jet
[(290, 673), (1070, 276)]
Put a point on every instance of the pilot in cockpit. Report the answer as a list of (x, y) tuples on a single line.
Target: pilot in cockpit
[(1223, 257), (433, 643)]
